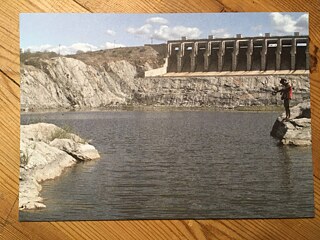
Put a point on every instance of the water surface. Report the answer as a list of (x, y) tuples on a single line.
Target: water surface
[(181, 165)]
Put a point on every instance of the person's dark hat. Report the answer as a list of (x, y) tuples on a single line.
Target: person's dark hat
[(283, 81)]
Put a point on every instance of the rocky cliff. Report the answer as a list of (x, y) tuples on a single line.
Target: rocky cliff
[(222, 92), (69, 83)]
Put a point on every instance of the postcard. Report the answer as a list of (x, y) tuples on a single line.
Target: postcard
[(165, 116)]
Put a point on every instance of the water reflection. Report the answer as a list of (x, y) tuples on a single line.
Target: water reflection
[(287, 181)]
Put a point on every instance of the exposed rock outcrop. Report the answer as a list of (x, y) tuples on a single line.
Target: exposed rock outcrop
[(68, 83), (297, 130), (45, 151), (220, 92)]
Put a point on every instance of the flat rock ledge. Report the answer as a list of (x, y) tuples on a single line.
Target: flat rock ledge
[(297, 130), (45, 151)]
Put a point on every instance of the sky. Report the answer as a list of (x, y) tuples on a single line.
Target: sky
[(91, 32)]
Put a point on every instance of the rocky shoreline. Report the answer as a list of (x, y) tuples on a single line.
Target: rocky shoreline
[(45, 151), (297, 130)]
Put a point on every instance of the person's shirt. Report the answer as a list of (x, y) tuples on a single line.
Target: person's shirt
[(285, 91)]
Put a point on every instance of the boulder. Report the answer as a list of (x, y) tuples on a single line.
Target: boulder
[(82, 152), (44, 157), (297, 130), (37, 132), (46, 132), (302, 110)]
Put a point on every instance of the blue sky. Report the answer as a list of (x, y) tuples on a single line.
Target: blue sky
[(43, 31)]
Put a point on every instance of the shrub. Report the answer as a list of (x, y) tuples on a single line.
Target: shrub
[(26, 155), (62, 133), (66, 132)]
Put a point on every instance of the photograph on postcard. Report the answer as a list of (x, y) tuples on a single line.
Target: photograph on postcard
[(165, 116)]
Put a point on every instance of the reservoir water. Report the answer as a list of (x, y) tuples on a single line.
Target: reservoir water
[(178, 165)]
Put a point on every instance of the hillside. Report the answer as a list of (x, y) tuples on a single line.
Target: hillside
[(143, 57), (115, 78)]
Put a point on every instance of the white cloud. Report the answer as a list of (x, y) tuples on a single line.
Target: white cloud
[(109, 45), (166, 33), (157, 20), (189, 32), (72, 49), (220, 33), (302, 23), (111, 32), (286, 24), (65, 50), (282, 23), (85, 47), (41, 48), (163, 33), (143, 30)]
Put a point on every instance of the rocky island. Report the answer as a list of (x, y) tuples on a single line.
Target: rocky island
[(45, 151)]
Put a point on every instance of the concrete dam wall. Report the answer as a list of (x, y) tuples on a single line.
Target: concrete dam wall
[(239, 54)]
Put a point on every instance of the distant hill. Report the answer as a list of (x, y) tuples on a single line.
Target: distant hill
[(142, 57)]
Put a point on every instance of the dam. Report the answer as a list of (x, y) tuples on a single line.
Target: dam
[(265, 53), (228, 72)]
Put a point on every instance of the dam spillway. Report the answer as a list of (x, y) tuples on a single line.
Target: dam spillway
[(248, 54)]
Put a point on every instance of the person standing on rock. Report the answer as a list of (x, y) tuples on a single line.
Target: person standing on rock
[(286, 95)]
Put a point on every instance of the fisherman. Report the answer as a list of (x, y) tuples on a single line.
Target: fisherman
[(286, 95)]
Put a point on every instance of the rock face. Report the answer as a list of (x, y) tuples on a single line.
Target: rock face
[(221, 92), (68, 83), (296, 131), (43, 155)]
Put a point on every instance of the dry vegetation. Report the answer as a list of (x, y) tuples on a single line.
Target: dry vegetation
[(137, 56), (25, 57)]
